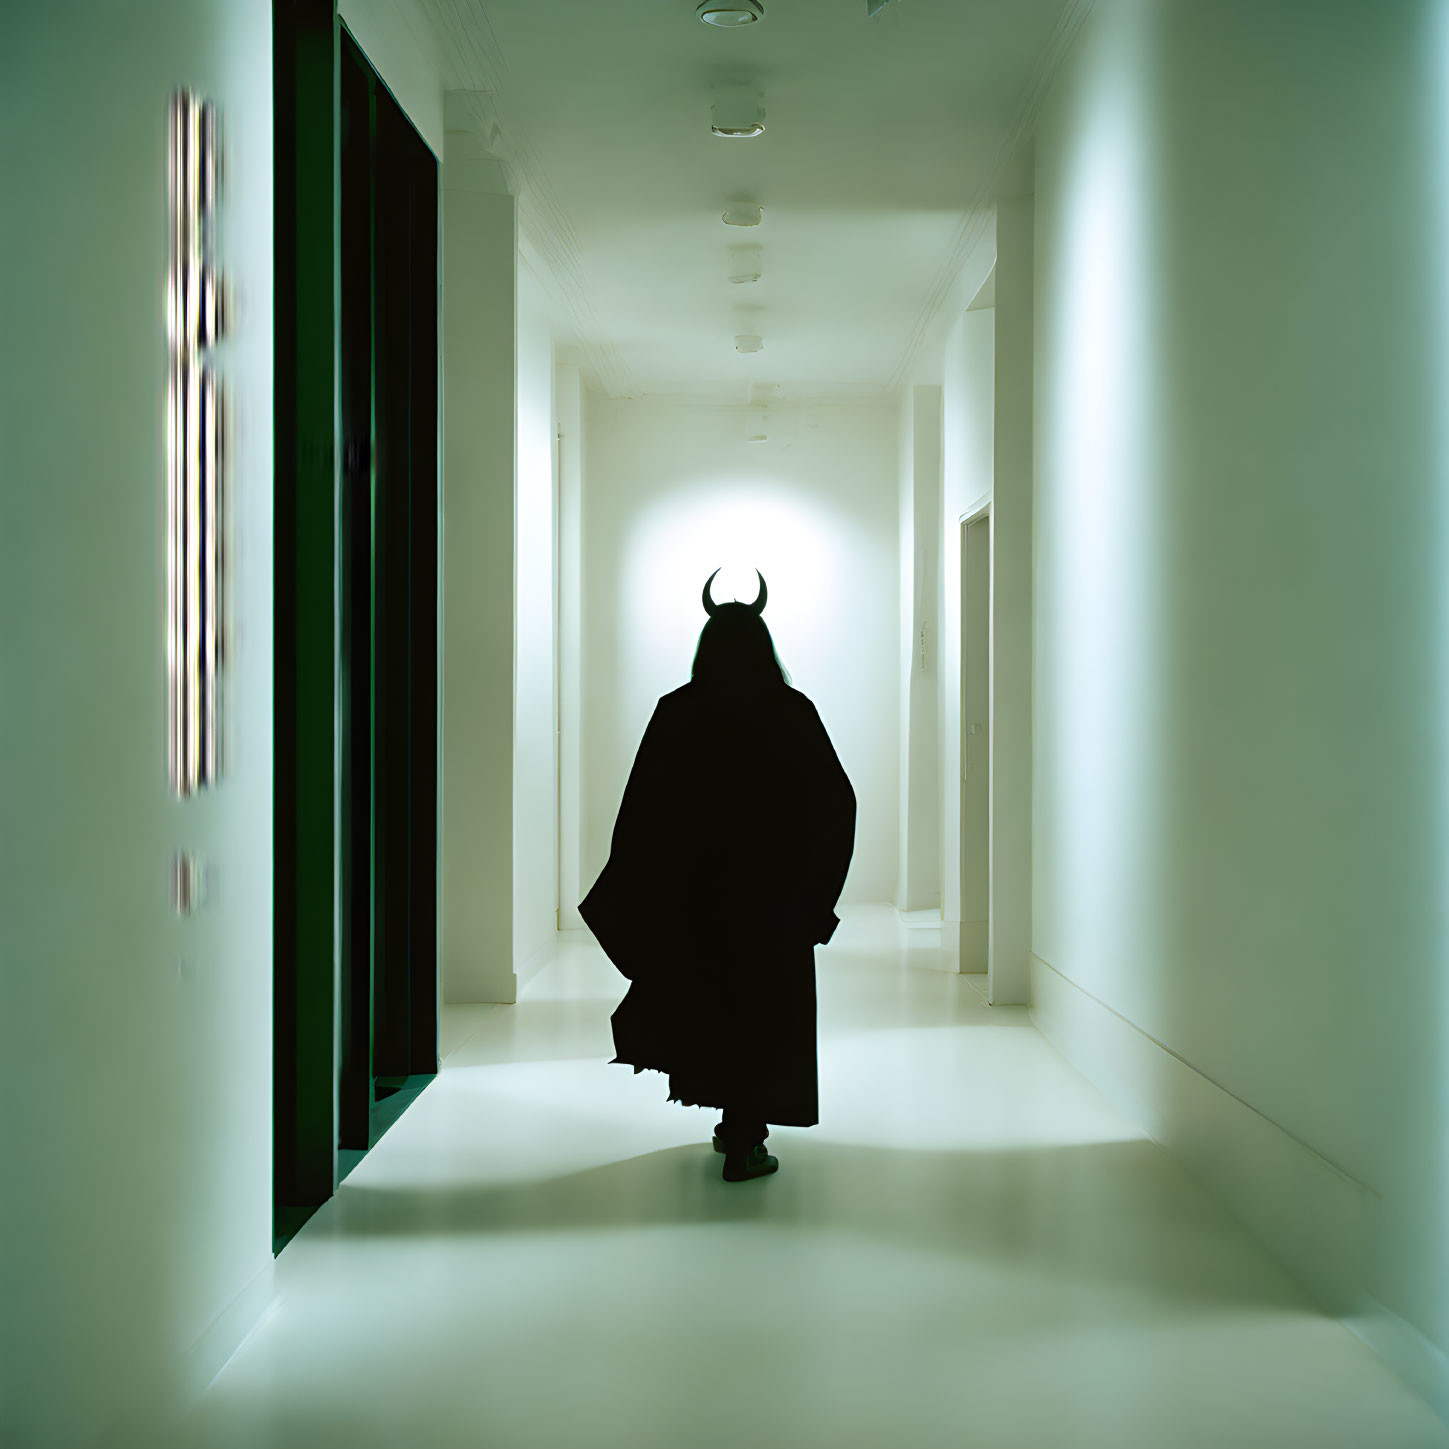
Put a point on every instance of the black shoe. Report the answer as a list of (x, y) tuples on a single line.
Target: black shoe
[(752, 1162)]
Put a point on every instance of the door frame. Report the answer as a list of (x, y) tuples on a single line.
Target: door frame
[(981, 514)]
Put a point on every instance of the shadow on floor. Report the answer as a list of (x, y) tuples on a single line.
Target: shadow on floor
[(1119, 1214)]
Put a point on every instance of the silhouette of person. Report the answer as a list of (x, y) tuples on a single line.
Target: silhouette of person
[(729, 852)]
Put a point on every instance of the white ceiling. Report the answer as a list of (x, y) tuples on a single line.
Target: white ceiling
[(884, 139)]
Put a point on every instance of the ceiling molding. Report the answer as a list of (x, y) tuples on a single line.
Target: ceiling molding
[(467, 47), (978, 214)]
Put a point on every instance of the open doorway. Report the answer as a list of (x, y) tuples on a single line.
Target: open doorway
[(976, 742)]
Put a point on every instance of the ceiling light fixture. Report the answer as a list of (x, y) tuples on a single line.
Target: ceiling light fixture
[(743, 215), (731, 17), (749, 343), (744, 264), (745, 132), (738, 112)]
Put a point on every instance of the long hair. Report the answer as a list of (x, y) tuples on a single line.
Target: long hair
[(735, 650)]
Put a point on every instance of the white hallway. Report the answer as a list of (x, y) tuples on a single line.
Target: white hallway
[(1164, 285), (972, 1248)]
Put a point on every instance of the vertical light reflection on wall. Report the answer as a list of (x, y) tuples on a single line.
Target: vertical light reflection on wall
[(195, 444), (178, 133), (1436, 88), (1098, 563)]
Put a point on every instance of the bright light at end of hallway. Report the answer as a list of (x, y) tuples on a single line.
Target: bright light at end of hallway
[(720, 524)]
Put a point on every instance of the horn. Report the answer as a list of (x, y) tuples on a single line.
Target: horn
[(709, 604), (758, 606)]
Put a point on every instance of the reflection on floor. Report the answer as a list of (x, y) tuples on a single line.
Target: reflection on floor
[(972, 1249)]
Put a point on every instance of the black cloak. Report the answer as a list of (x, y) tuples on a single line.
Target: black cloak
[(729, 853)]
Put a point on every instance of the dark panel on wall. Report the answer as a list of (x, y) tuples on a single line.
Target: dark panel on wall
[(424, 544), (305, 36), (357, 543), (406, 311), (389, 511), (357, 518)]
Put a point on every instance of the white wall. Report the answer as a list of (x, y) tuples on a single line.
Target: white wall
[(535, 732), (1240, 822), (944, 466), (571, 417), (906, 625), (670, 493), (480, 253), (1010, 730), (986, 431), (918, 886), (395, 39), (136, 1235)]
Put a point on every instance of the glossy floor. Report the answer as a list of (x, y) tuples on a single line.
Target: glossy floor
[(971, 1249)]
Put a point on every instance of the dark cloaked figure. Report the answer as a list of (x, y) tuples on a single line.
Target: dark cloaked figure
[(729, 853)]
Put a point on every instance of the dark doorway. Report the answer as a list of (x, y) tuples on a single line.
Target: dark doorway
[(357, 518), (388, 590)]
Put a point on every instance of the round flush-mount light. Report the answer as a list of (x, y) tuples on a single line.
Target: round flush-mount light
[(742, 214), (745, 266), (730, 17), (744, 130), (738, 112), (749, 342)]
